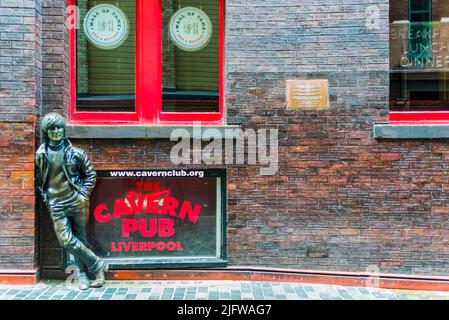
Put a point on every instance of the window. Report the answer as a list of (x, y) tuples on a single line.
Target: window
[(420, 18), (419, 61), (166, 217), (126, 66)]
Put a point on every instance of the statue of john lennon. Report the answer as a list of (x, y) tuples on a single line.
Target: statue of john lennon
[(66, 180)]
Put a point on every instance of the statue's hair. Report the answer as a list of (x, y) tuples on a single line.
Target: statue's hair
[(49, 120)]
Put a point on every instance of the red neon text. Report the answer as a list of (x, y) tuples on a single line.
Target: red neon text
[(154, 203)]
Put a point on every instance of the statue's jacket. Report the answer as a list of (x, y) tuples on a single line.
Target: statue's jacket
[(77, 167)]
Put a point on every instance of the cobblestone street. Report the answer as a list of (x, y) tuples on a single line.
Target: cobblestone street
[(210, 290)]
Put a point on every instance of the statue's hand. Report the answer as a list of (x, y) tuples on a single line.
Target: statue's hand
[(44, 197), (45, 200)]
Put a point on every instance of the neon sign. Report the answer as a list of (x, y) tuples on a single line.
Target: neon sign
[(155, 217)]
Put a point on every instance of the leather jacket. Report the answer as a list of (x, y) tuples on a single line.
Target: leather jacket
[(77, 167)]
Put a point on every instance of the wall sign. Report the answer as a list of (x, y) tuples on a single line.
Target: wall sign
[(190, 29), (307, 94), (154, 215), (106, 26)]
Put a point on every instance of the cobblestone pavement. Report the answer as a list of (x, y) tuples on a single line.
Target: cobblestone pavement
[(209, 290)]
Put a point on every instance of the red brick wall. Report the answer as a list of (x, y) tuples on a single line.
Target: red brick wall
[(399, 10), (20, 101), (440, 8), (17, 210)]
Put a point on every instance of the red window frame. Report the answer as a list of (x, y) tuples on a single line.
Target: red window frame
[(148, 102), (418, 117)]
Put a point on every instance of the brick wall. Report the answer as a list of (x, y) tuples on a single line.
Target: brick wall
[(341, 200), (20, 100), (315, 203), (399, 10), (55, 55)]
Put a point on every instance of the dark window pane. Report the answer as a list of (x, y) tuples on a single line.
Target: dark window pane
[(420, 39), (420, 17), (190, 78), (418, 5), (419, 91), (106, 75)]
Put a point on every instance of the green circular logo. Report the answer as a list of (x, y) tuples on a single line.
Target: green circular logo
[(190, 29), (106, 26)]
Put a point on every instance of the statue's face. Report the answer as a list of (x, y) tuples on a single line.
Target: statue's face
[(55, 134)]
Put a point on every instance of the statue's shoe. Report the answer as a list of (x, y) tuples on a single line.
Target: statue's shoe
[(99, 276), (83, 282)]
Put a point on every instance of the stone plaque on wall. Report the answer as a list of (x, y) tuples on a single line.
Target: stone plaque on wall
[(307, 94)]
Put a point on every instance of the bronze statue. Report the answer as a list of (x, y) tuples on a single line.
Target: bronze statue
[(66, 180)]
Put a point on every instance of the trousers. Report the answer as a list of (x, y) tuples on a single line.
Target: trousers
[(70, 220)]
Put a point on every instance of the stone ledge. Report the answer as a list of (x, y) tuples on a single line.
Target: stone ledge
[(428, 131), (142, 132)]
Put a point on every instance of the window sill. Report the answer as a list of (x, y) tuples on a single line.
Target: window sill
[(412, 131), (142, 132)]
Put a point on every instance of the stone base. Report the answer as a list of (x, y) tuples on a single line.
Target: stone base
[(19, 277)]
